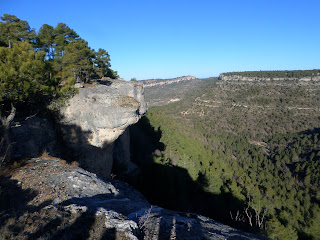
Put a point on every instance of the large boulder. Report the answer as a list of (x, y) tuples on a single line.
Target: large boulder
[(95, 118)]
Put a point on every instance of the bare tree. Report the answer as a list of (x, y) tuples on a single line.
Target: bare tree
[(239, 217), (249, 215), (253, 214), (259, 213), (5, 141)]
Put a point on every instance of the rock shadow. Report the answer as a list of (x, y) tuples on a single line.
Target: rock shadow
[(102, 216), (170, 186), (104, 82), (48, 137), (20, 220), (75, 147), (15, 210)]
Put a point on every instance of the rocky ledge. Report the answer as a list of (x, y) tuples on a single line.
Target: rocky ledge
[(96, 117), (244, 78), (50, 199), (91, 129), (159, 82)]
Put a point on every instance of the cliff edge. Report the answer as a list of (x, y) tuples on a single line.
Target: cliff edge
[(91, 128), (50, 199), (47, 198)]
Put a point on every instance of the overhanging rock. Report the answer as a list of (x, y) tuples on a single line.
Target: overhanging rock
[(95, 117)]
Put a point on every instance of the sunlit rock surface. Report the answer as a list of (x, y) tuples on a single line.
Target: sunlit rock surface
[(95, 118)]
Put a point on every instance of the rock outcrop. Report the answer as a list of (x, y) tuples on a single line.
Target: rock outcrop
[(159, 92), (244, 78), (159, 82), (96, 117), (49, 199), (92, 125)]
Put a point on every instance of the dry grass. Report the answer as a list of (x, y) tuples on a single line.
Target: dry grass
[(64, 163), (75, 164), (127, 101)]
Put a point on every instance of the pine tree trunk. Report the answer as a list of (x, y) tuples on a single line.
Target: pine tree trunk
[(6, 122)]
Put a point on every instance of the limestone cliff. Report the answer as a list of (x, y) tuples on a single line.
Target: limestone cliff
[(96, 117), (91, 128), (159, 82), (244, 78)]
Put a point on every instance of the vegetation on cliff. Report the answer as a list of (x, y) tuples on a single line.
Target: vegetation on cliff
[(39, 67), (251, 152), (276, 74), (36, 67)]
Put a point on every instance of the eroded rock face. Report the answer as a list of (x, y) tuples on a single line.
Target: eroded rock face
[(244, 78), (95, 117)]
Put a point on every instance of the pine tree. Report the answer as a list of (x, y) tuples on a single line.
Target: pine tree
[(102, 62), (77, 61), (13, 29), (46, 36), (23, 74), (63, 36)]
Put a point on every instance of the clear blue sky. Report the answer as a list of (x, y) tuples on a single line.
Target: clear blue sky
[(170, 38)]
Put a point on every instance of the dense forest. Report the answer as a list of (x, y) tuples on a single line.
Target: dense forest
[(38, 70), (244, 153), (38, 66), (276, 74)]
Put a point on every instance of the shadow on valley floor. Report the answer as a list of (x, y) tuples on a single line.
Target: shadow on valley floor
[(170, 186)]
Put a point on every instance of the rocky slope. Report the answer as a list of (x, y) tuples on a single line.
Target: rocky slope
[(92, 128), (157, 82), (163, 91), (49, 199), (244, 78)]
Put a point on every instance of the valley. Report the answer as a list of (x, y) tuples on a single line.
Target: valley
[(246, 153), (163, 91)]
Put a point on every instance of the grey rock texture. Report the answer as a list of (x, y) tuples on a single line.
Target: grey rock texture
[(158, 223), (54, 191), (157, 82), (122, 166), (55, 200), (32, 136), (243, 78), (95, 117), (159, 92)]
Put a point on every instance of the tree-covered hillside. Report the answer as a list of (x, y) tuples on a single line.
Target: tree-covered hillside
[(276, 74), (244, 153), (163, 91)]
